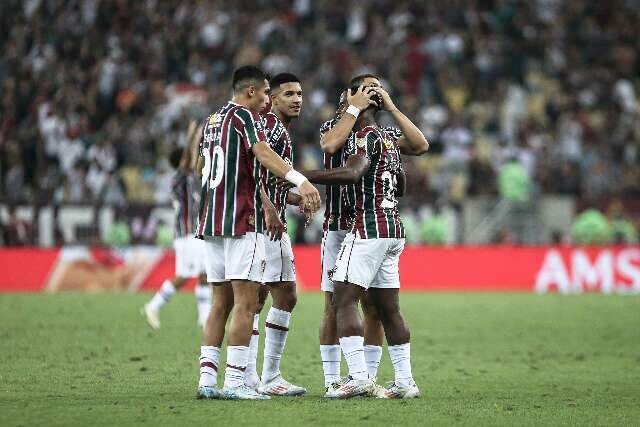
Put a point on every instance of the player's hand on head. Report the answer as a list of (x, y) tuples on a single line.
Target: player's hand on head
[(361, 98), (387, 103), (310, 196)]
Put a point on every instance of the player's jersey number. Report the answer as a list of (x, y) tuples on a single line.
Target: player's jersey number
[(389, 183), (213, 169)]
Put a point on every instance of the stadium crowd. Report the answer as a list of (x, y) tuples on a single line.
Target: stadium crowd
[(95, 93)]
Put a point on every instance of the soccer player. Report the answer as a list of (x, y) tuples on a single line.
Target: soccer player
[(369, 254), (337, 219), (189, 251), (231, 222), (279, 274)]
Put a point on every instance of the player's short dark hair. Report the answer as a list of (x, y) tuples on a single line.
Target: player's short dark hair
[(175, 156), (283, 78), (247, 75), (358, 80)]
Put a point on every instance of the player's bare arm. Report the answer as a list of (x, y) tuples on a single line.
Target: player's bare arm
[(354, 169), (337, 136), (270, 160), (275, 227), (413, 141)]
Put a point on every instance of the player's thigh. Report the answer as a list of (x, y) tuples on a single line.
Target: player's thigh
[(359, 260), (388, 275), (215, 259), (244, 257), (279, 261), (385, 300), (284, 294), (329, 250), (246, 294)]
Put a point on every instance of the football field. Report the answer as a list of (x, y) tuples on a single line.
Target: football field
[(479, 359)]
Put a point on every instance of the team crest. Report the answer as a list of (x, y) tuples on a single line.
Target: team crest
[(361, 142), (388, 143), (214, 120), (251, 220)]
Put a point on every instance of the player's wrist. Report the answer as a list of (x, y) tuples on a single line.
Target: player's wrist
[(353, 110), (295, 177)]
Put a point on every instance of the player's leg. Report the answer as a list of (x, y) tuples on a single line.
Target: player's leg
[(384, 293), (284, 297), (202, 289), (251, 377), (244, 267), (330, 352), (357, 264), (203, 292), (213, 333), (168, 289), (373, 335), (212, 337)]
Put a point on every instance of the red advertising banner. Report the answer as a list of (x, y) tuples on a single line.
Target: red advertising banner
[(455, 269)]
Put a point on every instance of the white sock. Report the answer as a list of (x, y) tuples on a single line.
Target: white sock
[(276, 330), (401, 359), (237, 356), (251, 377), (209, 362), (164, 294), (353, 350), (331, 356), (203, 300), (372, 355)]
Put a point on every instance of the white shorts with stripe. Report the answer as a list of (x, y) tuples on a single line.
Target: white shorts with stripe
[(190, 256), (280, 264), (370, 263), (235, 258), (329, 250)]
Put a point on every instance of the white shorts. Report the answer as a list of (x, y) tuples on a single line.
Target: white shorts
[(190, 256), (329, 250), (370, 263), (279, 256), (235, 258)]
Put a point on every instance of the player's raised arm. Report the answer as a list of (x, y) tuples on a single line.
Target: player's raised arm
[(337, 136), (270, 160), (413, 141)]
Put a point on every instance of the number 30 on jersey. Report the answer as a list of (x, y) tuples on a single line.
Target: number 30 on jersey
[(213, 169)]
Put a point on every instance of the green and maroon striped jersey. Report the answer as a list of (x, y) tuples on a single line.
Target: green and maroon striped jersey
[(280, 142), (337, 212), (375, 207), (230, 204)]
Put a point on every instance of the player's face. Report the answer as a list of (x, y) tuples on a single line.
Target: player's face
[(260, 97), (288, 99)]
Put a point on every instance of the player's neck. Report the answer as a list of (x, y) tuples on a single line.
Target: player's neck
[(367, 118), (286, 121), (240, 100)]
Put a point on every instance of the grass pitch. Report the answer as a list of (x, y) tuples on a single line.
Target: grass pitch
[(480, 359)]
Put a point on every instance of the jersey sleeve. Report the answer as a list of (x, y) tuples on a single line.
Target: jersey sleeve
[(326, 126), (270, 124), (251, 126)]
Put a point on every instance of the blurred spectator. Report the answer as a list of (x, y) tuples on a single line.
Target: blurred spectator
[(100, 89), (16, 231)]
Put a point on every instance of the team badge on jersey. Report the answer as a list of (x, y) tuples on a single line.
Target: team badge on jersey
[(388, 143), (214, 120), (251, 220), (361, 142)]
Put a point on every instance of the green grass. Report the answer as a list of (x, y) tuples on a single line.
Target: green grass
[(480, 359)]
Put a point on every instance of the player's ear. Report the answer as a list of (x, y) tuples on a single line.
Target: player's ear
[(252, 91)]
